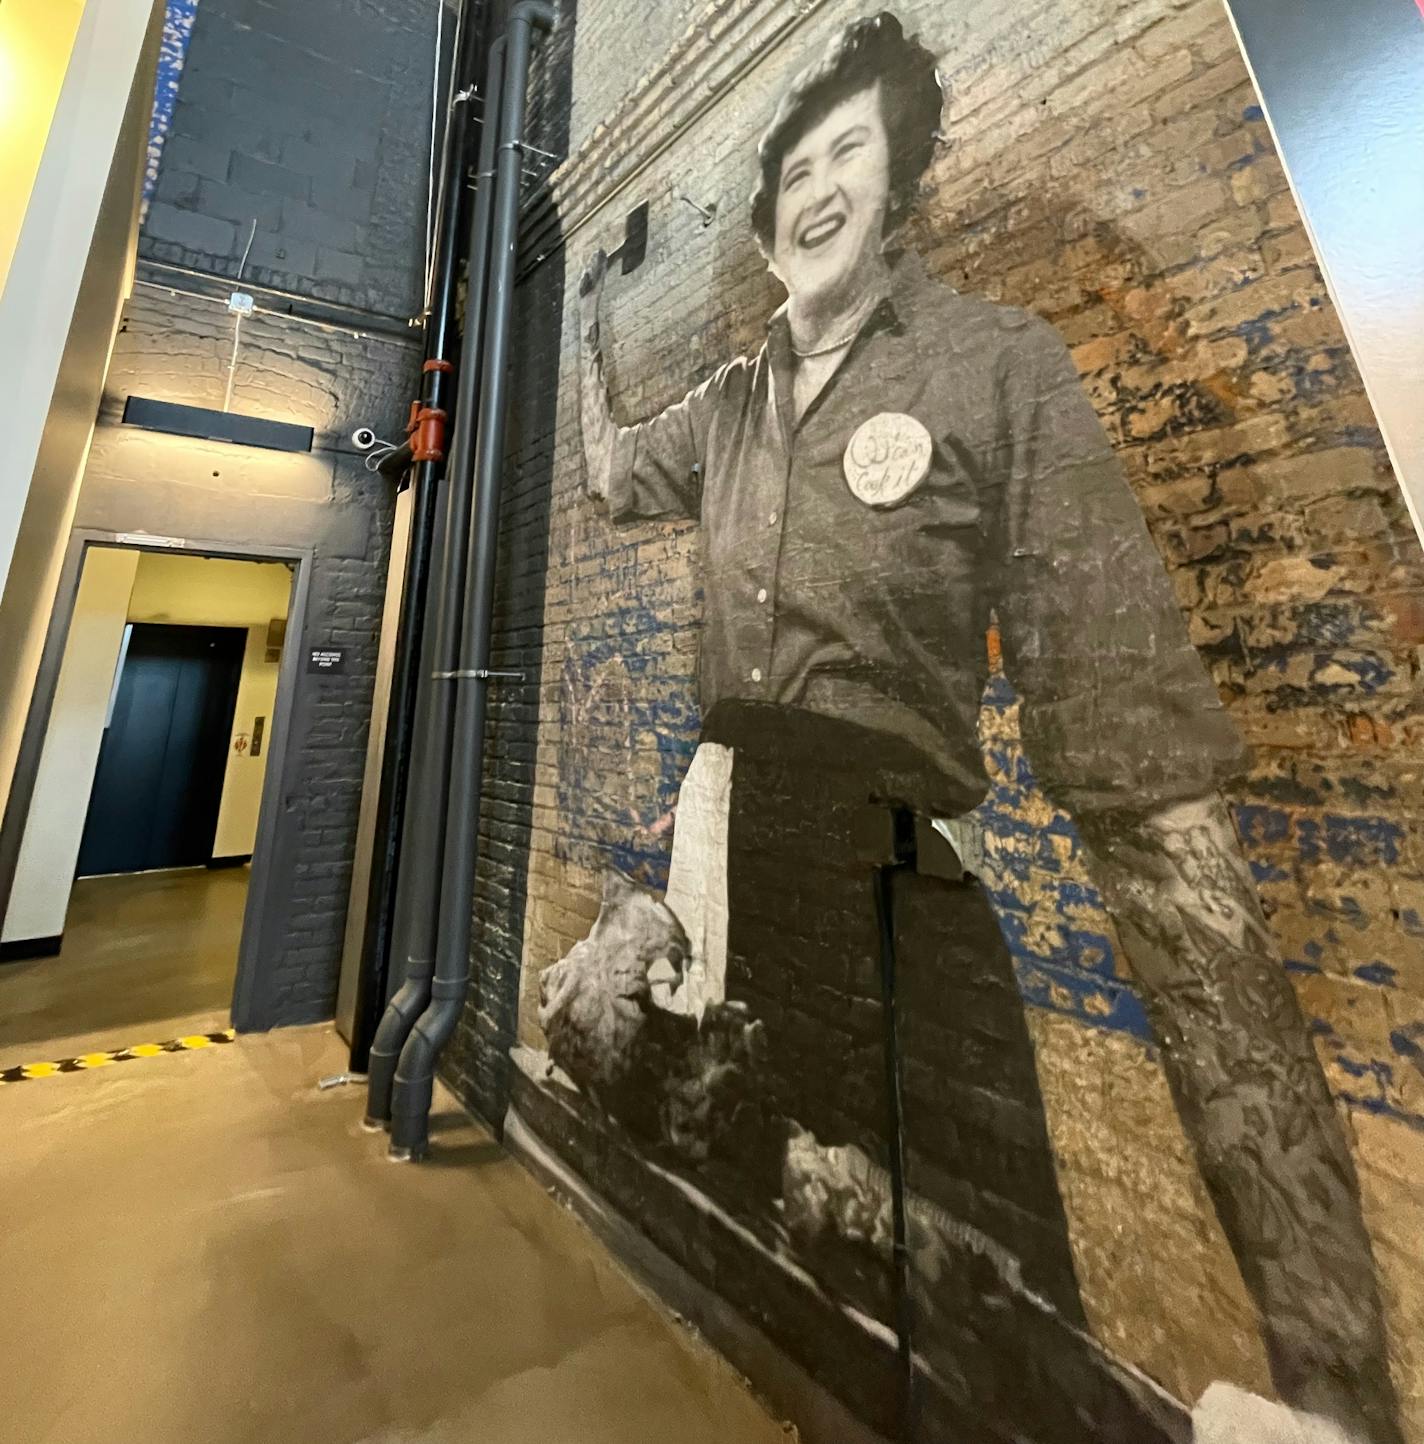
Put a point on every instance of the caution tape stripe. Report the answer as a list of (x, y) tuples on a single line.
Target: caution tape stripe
[(28, 1072)]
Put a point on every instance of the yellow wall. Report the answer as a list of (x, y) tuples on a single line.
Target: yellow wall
[(36, 39)]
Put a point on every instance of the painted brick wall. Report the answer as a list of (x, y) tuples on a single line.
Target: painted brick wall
[(177, 348), (477, 1060), (312, 119), (1108, 167)]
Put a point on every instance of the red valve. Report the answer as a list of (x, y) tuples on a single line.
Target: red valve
[(427, 433)]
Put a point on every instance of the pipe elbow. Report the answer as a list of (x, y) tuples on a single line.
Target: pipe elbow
[(534, 12), (409, 1002)]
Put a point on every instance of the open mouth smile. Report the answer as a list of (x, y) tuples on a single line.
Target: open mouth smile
[(820, 232)]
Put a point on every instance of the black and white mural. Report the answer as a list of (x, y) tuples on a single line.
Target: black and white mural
[(815, 1034)]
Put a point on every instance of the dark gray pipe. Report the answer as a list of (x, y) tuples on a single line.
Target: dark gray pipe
[(423, 835), (415, 1076), (426, 540)]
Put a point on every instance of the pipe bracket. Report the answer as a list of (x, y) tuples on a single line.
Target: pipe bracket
[(482, 674)]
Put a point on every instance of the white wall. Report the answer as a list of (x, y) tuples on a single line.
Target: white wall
[(50, 849), (354, 942), (216, 592), (1343, 89)]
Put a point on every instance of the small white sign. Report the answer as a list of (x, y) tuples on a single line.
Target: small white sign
[(142, 539)]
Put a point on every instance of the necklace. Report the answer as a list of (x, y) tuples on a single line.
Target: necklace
[(866, 308)]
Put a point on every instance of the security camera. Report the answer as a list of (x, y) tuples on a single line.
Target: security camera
[(363, 438)]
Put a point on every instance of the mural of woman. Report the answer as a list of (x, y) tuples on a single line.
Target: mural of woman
[(897, 471)]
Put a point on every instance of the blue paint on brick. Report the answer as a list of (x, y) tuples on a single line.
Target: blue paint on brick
[(1253, 112), (1362, 841), (1111, 1006), (1372, 672), (1382, 1073), (173, 51), (1268, 872), (1377, 972), (604, 825), (1382, 1108), (1075, 894), (1258, 824), (1409, 1044)]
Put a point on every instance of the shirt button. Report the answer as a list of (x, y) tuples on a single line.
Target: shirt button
[(756, 674), (771, 520), (761, 595)]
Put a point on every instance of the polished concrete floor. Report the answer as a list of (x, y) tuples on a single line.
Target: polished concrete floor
[(146, 958), (203, 1246)]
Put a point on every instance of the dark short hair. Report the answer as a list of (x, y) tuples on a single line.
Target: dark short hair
[(874, 48)]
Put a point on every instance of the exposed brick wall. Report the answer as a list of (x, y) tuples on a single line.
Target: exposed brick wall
[(1108, 168), (312, 119), (477, 1061), (646, 32)]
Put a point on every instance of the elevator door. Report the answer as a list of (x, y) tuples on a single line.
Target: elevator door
[(158, 784)]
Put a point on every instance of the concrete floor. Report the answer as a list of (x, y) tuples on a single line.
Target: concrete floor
[(202, 1246), (146, 957)]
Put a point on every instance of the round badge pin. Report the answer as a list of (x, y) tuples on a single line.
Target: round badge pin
[(887, 458)]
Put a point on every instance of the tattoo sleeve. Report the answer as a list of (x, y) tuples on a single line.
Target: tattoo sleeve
[(1254, 1102)]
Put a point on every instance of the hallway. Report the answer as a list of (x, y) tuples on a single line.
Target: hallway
[(218, 1252), (146, 957)]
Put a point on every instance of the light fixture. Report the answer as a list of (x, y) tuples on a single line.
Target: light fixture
[(205, 425)]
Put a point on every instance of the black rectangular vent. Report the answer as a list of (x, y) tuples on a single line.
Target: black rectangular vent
[(205, 425)]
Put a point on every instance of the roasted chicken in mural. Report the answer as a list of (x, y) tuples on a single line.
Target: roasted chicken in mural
[(610, 1012)]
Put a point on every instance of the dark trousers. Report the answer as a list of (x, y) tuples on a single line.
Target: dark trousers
[(804, 953)]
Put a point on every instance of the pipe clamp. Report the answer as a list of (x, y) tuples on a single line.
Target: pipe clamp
[(482, 674)]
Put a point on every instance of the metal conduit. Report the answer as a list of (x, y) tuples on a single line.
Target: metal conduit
[(425, 542), (415, 1074), (422, 841)]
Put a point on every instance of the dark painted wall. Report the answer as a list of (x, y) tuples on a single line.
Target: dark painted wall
[(313, 118)]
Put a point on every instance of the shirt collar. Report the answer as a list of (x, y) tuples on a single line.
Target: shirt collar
[(907, 276)]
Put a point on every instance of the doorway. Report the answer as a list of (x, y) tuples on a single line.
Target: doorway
[(159, 781), (165, 692)]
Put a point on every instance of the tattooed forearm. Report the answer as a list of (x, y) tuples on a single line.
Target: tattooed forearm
[(1254, 1102)]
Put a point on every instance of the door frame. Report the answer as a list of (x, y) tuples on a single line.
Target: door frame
[(281, 760)]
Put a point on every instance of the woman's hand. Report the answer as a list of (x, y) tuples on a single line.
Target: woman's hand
[(591, 293)]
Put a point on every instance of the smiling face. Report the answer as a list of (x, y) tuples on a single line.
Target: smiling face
[(831, 203)]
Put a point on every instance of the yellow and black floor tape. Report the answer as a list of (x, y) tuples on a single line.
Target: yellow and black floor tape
[(26, 1072)]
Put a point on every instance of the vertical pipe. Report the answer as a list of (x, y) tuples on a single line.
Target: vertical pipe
[(401, 724), (422, 843), (415, 1076)]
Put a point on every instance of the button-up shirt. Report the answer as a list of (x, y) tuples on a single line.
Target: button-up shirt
[(878, 614)]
